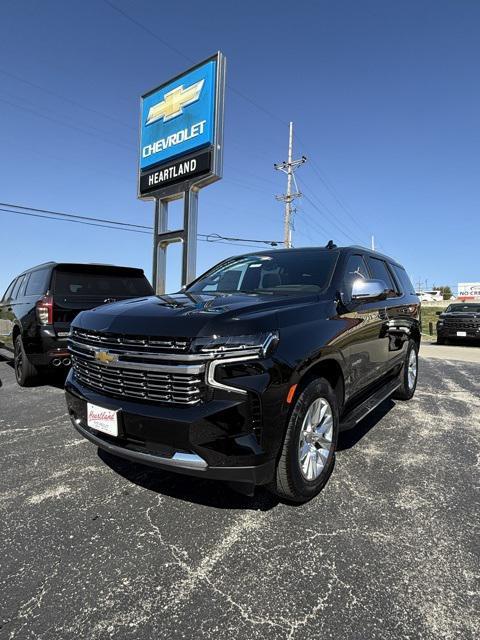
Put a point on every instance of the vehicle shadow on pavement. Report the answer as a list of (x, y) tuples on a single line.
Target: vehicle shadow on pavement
[(348, 439), (218, 494), (201, 491)]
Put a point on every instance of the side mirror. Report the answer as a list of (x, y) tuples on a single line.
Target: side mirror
[(368, 290)]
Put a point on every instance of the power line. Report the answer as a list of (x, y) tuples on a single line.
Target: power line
[(325, 211), (185, 56), (212, 237), (58, 216), (65, 124), (66, 99), (72, 215), (91, 224), (332, 190), (319, 228), (331, 222)]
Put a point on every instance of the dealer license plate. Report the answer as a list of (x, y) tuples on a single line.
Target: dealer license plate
[(104, 420), (462, 334)]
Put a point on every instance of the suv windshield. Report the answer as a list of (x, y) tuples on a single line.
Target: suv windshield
[(463, 308), (285, 272), (107, 284)]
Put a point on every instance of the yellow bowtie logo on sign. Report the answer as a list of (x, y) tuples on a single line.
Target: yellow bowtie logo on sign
[(174, 101)]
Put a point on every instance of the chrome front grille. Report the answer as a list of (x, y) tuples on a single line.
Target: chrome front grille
[(118, 340), (465, 323), (145, 368), (157, 386)]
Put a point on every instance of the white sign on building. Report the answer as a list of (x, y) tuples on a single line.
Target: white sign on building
[(469, 290)]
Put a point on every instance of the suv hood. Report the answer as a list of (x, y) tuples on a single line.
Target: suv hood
[(190, 315)]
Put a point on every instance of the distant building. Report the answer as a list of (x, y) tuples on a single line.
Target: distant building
[(469, 291)]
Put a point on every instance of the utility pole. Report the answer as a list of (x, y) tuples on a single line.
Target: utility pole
[(289, 167), (373, 243)]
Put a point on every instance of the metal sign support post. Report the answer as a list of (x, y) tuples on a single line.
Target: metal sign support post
[(162, 238), (190, 217)]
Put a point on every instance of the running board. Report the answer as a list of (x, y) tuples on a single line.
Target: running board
[(361, 411)]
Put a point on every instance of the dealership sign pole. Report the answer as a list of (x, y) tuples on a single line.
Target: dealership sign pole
[(181, 151)]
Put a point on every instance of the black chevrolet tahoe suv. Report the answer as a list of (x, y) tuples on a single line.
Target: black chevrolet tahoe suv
[(39, 305), (459, 321), (248, 374)]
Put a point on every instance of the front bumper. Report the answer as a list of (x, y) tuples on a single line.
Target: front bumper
[(444, 331), (211, 440)]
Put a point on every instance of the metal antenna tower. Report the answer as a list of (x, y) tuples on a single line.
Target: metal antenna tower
[(289, 167)]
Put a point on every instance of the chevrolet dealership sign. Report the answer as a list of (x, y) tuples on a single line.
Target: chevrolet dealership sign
[(182, 129)]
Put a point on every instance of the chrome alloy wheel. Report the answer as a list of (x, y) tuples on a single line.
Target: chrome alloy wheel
[(315, 439), (412, 369)]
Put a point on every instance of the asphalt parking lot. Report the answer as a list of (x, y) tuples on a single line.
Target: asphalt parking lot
[(94, 548)]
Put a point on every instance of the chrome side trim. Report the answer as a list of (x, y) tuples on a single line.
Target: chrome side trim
[(211, 381)]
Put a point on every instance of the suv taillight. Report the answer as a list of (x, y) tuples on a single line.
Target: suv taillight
[(45, 310)]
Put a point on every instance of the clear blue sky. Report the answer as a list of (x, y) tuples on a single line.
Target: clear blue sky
[(384, 96)]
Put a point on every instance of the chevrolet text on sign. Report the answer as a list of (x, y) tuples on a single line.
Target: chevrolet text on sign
[(179, 117)]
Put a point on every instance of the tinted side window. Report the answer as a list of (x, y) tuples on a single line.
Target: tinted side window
[(38, 283), (354, 269), (8, 292), (380, 271), (17, 286), (404, 280)]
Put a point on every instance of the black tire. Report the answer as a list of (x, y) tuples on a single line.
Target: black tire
[(25, 372), (406, 390), (289, 482), (441, 340)]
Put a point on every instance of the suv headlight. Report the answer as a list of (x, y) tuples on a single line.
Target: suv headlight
[(262, 343)]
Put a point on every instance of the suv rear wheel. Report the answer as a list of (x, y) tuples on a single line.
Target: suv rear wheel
[(25, 372), (308, 452)]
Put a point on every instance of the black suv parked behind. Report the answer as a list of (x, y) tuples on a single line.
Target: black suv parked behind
[(39, 305), (249, 374), (459, 321)]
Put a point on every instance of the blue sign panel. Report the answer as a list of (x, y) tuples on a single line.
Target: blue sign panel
[(179, 117)]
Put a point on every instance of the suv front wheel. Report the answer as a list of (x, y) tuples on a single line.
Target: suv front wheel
[(409, 374), (25, 372), (308, 452)]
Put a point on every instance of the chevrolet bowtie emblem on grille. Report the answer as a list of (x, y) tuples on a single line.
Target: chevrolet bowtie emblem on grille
[(174, 101), (106, 357)]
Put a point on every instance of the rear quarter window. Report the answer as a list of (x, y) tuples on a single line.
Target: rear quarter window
[(8, 292), (38, 282), (17, 286)]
